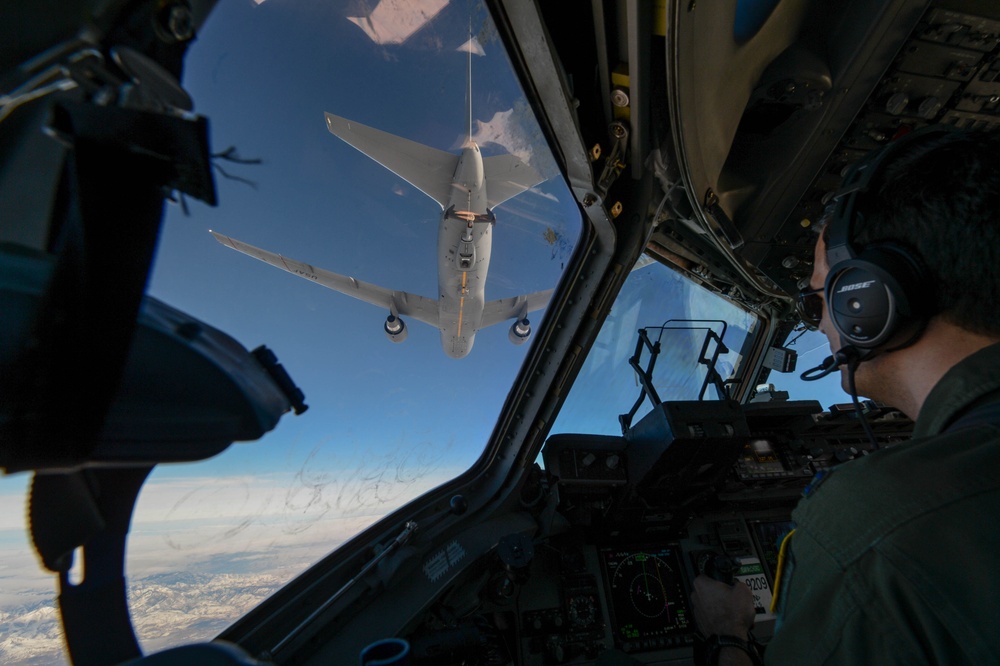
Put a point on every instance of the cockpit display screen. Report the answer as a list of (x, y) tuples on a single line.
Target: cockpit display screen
[(769, 535), (649, 607)]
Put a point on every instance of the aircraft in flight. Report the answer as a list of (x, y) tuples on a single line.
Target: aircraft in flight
[(468, 187)]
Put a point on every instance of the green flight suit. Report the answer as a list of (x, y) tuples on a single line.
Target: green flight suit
[(896, 556)]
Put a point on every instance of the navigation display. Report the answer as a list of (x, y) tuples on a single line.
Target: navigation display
[(769, 534), (649, 607)]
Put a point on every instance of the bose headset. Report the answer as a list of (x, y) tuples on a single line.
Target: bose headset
[(874, 293)]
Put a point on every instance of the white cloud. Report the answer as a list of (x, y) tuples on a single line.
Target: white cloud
[(204, 550), (472, 46), (395, 21), (503, 130), (13, 491)]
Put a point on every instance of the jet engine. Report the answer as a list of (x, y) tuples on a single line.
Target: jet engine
[(395, 328), (519, 331)]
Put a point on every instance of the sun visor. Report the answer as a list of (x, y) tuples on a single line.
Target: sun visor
[(186, 392)]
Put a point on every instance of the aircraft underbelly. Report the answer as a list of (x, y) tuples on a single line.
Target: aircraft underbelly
[(459, 324), (463, 263)]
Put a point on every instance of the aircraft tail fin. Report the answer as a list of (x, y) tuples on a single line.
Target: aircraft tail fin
[(428, 169)]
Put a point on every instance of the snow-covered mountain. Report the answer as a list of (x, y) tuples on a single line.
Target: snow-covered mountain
[(167, 609)]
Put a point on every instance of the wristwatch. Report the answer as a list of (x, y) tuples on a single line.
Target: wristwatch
[(715, 642)]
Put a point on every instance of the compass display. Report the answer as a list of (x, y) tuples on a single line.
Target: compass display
[(649, 607)]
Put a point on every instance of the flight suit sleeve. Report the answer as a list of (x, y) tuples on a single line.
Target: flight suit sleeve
[(868, 612)]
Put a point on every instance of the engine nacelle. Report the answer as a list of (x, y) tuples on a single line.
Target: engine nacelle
[(520, 330), (395, 328)]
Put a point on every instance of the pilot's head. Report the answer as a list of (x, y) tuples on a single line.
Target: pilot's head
[(913, 235)]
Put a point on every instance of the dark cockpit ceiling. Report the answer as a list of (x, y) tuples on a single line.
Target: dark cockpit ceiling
[(749, 112)]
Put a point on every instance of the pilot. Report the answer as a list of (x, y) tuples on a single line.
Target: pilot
[(894, 559)]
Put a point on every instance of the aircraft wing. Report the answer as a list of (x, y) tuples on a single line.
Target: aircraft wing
[(507, 176), (420, 308), (514, 307), (428, 169)]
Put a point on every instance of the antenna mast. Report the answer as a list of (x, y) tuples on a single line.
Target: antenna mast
[(469, 84)]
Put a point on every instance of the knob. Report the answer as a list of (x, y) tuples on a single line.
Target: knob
[(929, 107), (896, 103)]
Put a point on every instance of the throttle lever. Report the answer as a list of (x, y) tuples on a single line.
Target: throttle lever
[(715, 565), (723, 569)]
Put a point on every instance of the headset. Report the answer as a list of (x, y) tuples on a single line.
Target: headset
[(874, 293)]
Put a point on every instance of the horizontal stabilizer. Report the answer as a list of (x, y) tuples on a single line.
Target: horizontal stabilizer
[(515, 307), (420, 308), (428, 169), (507, 176)]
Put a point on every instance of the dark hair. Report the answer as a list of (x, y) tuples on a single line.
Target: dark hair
[(940, 199)]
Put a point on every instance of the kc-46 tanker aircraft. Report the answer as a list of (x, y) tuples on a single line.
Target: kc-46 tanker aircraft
[(206, 463), (468, 187)]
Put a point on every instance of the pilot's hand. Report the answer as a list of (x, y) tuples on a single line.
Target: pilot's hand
[(722, 609)]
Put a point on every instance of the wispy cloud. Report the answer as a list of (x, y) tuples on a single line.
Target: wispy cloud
[(204, 550)]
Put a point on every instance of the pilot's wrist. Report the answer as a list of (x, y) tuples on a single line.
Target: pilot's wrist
[(728, 650), (732, 656)]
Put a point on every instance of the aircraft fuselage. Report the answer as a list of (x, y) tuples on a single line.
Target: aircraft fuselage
[(465, 242)]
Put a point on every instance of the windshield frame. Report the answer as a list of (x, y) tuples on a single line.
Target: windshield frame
[(587, 287)]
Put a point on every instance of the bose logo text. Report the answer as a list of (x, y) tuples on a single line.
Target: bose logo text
[(856, 286)]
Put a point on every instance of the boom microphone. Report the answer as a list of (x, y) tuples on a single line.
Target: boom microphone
[(846, 355), (850, 356)]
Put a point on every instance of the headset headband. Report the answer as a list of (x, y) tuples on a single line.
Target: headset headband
[(839, 245)]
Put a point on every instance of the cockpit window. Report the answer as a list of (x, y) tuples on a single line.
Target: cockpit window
[(392, 238), (657, 306), (811, 348)]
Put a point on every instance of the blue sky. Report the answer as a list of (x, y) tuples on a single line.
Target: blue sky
[(319, 200), (386, 421), (812, 348)]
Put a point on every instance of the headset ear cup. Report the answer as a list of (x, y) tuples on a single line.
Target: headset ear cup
[(874, 296), (860, 306)]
